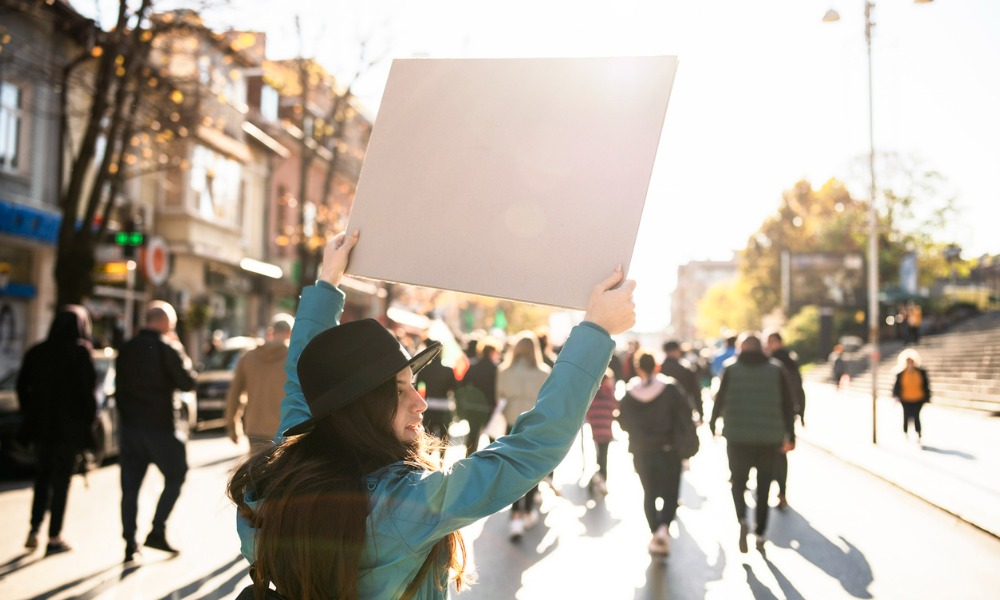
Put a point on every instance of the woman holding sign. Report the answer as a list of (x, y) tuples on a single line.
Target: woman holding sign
[(350, 503)]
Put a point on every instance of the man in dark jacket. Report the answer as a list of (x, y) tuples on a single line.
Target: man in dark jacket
[(149, 368), (677, 367), (755, 403), (777, 351)]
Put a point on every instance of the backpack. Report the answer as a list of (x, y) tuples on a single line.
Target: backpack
[(471, 403), (686, 442)]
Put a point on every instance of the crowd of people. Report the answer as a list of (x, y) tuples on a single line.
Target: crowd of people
[(343, 419)]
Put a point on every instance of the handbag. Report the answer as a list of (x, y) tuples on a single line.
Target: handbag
[(686, 442)]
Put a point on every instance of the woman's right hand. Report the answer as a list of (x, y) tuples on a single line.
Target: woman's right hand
[(612, 309), (336, 255)]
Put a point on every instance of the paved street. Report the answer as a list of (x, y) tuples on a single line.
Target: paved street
[(847, 534)]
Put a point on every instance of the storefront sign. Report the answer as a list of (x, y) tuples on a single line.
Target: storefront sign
[(25, 221)]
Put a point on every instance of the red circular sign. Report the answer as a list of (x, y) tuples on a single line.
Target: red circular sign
[(156, 261)]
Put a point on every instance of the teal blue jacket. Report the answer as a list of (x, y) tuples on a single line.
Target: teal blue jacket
[(411, 510)]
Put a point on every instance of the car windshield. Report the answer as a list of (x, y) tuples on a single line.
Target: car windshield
[(222, 360)]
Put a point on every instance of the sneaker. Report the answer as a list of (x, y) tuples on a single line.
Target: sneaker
[(659, 546), (516, 529), (56, 546), (158, 541), (782, 502), (663, 535), (744, 530), (32, 542), (598, 485)]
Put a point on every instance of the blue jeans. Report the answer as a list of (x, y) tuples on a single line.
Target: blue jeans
[(139, 448)]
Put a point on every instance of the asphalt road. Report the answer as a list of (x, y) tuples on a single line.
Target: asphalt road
[(846, 535)]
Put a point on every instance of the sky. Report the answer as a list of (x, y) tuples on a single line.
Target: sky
[(766, 94)]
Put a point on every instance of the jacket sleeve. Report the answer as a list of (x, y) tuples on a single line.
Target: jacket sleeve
[(897, 385), (178, 367), (719, 406), (319, 309), (422, 507), (787, 403), (927, 385)]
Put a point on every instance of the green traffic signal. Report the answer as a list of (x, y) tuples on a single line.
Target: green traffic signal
[(129, 238)]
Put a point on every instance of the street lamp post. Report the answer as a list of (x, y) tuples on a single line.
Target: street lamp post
[(874, 314)]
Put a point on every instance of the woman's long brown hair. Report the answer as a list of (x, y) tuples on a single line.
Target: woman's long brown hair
[(310, 521)]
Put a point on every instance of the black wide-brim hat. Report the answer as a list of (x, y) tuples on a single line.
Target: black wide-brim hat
[(344, 363)]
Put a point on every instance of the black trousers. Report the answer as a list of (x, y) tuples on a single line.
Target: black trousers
[(781, 471), (54, 470), (139, 449), (742, 458), (660, 475), (911, 412), (602, 458)]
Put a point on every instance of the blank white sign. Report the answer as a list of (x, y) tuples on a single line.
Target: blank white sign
[(515, 178)]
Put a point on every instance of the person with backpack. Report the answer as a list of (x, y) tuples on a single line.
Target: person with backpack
[(349, 503), (654, 408)]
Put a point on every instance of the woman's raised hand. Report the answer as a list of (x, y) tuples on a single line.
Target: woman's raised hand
[(336, 255), (612, 309)]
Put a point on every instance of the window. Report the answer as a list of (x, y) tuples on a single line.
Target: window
[(217, 185), (11, 124)]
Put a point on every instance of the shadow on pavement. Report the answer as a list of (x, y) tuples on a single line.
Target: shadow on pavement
[(948, 452), (225, 590), (686, 573), (18, 562), (789, 529), (757, 587), (786, 586), (596, 520), (107, 578), (516, 558)]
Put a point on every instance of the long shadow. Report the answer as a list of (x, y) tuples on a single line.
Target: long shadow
[(948, 452), (194, 586), (228, 588), (18, 562), (212, 463), (757, 587), (786, 586), (500, 577), (789, 529), (596, 520), (688, 570), (107, 579)]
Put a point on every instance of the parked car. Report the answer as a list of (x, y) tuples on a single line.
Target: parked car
[(19, 458), (216, 377)]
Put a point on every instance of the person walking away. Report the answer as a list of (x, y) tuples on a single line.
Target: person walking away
[(519, 380), (789, 360), (348, 504), (841, 376), (674, 365), (600, 416), (482, 378), (912, 389), (253, 403), (149, 368), (754, 401), (724, 354), (438, 383), (55, 391), (649, 410)]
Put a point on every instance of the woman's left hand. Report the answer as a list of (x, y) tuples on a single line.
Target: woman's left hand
[(335, 256)]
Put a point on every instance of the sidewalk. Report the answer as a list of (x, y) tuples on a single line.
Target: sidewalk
[(955, 470)]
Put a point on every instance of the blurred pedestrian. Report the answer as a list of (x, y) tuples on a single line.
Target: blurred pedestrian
[(649, 410), (775, 349), (912, 389), (349, 505), (438, 384), (253, 403), (674, 365), (149, 368), (600, 416), (476, 397), (727, 351), (55, 390), (519, 379), (841, 375), (755, 403)]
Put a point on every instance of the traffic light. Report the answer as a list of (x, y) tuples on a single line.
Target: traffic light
[(130, 238)]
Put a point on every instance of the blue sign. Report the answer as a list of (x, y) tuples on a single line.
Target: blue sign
[(25, 221)]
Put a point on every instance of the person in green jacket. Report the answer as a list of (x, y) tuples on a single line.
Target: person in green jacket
[(351, 502), (755, 403)]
